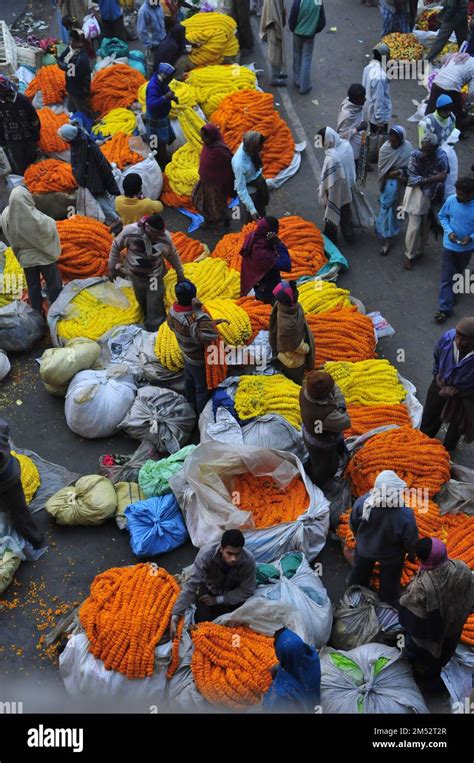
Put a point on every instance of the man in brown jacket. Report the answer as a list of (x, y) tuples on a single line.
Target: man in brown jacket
[(147, 243), (324, 414)]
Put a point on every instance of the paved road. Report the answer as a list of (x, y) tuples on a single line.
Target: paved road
[(12, 9), (406, 299)]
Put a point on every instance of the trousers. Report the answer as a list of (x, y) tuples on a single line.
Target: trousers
[(431, 419), (416, 235), (390, 574), (457, 24), (53, 280), (149, 295), (302, 58), (453, 263), (195, 385), (13, 504)]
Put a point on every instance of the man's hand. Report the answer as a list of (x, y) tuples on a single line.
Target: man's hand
[(112, 275), (174, 626), (209, 601), (453, 238), (221, 320), (272, 238), (465, 241), (448, 391), (362, 127)]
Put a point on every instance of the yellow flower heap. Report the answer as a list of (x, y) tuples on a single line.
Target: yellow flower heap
[(92, 317), (29, 475), (117, 120), (368, 382), (211, 84), (215, 33), (258, 395), (183, 169), (212, 278), (321, 296)]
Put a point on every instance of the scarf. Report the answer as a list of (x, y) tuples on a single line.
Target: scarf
[(298, 679), (287, 327), (350, 116), (388, 489), (258, 257), (252, 147), (29, 230), (271, 31), (337, 177), (215, 163), (394, 158)]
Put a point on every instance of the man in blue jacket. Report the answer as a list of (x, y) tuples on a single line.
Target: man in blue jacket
[(151, 29), (160, 134), (111, 19), (457, 218)]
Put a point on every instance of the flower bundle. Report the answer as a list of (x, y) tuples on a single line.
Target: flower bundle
[(85, 247), (322, 296), (115, 87), (118, 151), (231, 666), (212, 279), (428, 21), (29, 475), (343, 334), (183, 169), (216, 367), (258, 395), (171, 199), (190, 249), (253, 110), (211, 84), (49, 175), (467, 636), (258, 313), (126, 615), (215, 33), (174, 663), (49, 141), (239, 329), (90, 317), (270, 503), (367, 417), (117, 120), (167, 349), (403, 47), (51, 80), (12, 277), (419, 460), (368, 382)]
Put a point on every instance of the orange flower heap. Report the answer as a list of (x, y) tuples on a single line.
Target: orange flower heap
[(367, 417), (85, 247), (49, 175), (50, 142), (417, 459), (270, 503), (126, 615), (118, 150), (115, 87), (51, 80), (231, 666), (189, 249), (258, 312), (342, 334)]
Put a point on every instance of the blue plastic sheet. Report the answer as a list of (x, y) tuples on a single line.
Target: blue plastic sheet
[(156, 525)]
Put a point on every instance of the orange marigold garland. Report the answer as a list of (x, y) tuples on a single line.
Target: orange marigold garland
[(173, 666), (49, 175), (216, 372), (367, 417), (50, 142), (343, 334), (231, 666), (189, 249), (51, 80), (115, 87), (270, 503), (118, 150), (172, 199), (418, 459), (126, 615), (258, 312), (85, 247)]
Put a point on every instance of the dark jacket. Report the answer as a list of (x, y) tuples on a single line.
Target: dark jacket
[(194, 329), (9, 466), (234, 584), (172, 47), (389, 533), (157, 105), (18, 121), (78, 79), (264, 288), (329, 412), (90, 167)]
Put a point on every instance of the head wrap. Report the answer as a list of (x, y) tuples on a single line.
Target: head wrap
[(437, 555), (387, 492), (68, 132), (166, 70), (252, 140), (399, 131), (383, 49), (283, 292), (430, 137)]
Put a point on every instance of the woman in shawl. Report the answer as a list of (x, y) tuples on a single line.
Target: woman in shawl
[(250, 184), (34, 239), (216, 178), (271, 32), (338, 176), (385, 530), (392, 169), (291, 340), (263, 256), (297, 682), (433, 610)]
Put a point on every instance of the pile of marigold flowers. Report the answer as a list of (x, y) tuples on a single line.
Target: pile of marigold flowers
[(270, 503), (85, 247), (403, 47), (90, 317), (258, 395), (211, 277), (115, 87), (127, 614), (258, 313), (238, 330), (49, 141), (212, 84), (216, 364), (343, 334), (368, 382), (215, 35), (118, 151), (51, 80), (49, 175), (253, 110), (167, 349), (172, 199), (29, 475), (321, 296), (232, 666), (419, 460), (367, 417), (189, 249)]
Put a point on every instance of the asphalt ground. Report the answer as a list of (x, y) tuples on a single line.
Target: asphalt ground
[(407, 299)]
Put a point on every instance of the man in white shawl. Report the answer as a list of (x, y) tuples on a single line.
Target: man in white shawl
[(385, 530), (271, 32), (338, 177), (34, 239), (351, 120)]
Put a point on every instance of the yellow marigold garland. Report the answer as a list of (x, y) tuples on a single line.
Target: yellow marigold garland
[(30, 478), (91, 318), (117, 120), (216, 35), (211, 277), (258, 395), (167, 349), (368, 382), (321, 296), (211, 84)]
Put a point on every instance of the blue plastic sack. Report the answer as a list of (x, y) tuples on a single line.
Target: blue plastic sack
[(156, 525), (138, 65)]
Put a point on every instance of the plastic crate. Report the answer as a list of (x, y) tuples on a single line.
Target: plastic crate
[(8, 52)]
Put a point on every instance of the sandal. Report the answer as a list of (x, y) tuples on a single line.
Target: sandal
[(440, 317), (407, 265)]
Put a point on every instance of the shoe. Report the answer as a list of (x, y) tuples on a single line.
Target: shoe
[(440, 317), (385, 250), (278, 83), (283, 76), (407, 265), (303, 92)]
